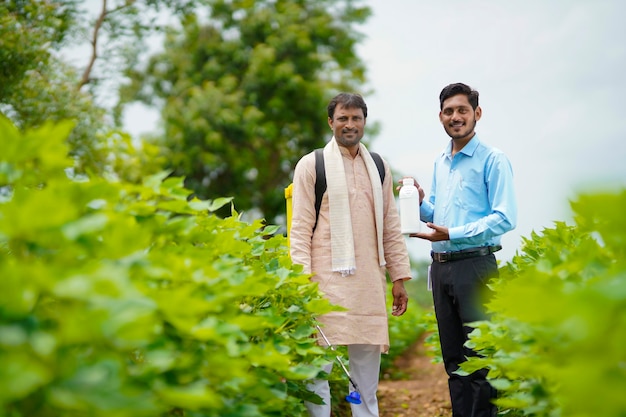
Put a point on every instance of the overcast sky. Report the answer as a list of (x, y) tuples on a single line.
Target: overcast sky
[(552, 82)]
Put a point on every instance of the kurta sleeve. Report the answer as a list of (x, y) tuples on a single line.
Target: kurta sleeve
[(303, 212), (396, 254)]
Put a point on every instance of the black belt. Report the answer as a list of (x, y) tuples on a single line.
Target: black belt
[(464, 254)]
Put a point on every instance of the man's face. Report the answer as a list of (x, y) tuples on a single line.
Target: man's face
[(348, 125), (458, 117)]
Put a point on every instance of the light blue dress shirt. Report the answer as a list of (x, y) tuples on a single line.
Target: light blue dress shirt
[(472, 194)]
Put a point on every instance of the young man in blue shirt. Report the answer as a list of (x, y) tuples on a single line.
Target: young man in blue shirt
[(471, 205)]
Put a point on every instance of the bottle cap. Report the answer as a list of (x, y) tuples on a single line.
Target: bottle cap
[(408, 181)]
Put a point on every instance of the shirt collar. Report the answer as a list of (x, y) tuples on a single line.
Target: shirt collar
[(468, 149), (346, 152)]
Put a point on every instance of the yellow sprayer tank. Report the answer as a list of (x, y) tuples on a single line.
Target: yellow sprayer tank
[(288, 194)]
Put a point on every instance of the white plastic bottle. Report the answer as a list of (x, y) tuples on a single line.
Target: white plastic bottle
[(409, 207)]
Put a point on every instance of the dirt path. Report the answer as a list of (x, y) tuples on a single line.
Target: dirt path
[(424, 391)]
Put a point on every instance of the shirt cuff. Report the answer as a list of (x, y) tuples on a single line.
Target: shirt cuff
[(426, 211), (456, 232), (405, 278)]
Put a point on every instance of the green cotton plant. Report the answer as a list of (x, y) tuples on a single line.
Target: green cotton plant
[(135, 299), (431, 341), (403, 330), (555, 341)]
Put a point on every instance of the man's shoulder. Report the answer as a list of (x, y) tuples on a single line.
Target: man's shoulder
[(491, 157), (490, 151), (307, 159)]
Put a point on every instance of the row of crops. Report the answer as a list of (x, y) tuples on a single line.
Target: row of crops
[(133, 299), (556, 340)]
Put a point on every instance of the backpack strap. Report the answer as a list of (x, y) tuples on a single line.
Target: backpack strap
[(320, 182), (379, 164), (320, 177)]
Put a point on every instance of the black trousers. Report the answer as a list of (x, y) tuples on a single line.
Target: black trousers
[(457, 287)]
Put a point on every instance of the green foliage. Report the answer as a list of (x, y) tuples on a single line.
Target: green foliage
[(244, 96), (250, 85), (431, 342), (555, 342), (37, 86), (40, 85), (403, 330), (135, 300), (425, 322), (28, 29)]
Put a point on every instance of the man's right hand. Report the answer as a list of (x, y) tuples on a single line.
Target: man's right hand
[(417, 185)]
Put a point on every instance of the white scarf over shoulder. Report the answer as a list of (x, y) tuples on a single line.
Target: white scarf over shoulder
[(341, 237)]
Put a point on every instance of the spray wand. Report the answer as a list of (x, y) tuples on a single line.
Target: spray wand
[(354, 397)]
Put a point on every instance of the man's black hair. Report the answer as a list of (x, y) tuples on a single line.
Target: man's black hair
[(458, 88), (348, 101)]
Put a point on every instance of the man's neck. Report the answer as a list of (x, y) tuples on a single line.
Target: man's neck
[(459, 144)]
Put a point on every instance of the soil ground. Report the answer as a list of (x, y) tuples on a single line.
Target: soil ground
[(423, 390)]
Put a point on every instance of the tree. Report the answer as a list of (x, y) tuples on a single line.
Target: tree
[(39, 84), (243, 97), (28, 32)]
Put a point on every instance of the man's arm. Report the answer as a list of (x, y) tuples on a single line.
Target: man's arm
[(303, 212), (501, 195), (396, 254)]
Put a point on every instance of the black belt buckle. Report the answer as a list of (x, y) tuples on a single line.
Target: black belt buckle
[(442, 257)]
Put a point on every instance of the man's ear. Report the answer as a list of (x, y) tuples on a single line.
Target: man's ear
[(477, 113), (330, 123)]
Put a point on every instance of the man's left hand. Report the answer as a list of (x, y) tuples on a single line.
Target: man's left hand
[(437, 234)]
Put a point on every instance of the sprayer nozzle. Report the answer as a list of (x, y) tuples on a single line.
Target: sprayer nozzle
[(354, 398)]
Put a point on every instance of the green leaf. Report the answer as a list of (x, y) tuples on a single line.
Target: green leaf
[(219, 203), (193, 396), (20, 375)]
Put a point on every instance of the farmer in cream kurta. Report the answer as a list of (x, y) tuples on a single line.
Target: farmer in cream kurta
[(356, 239)]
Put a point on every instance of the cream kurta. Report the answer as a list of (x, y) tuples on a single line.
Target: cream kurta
[(363, 293)]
